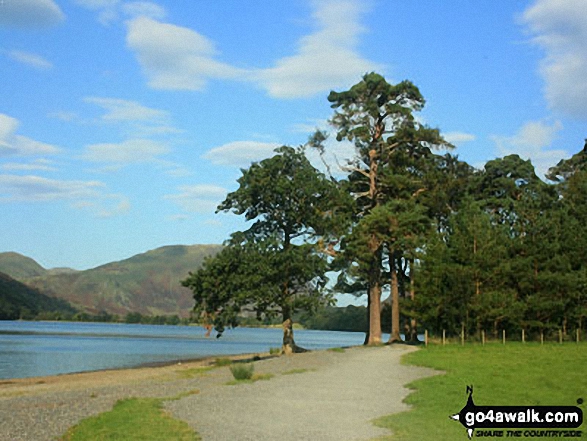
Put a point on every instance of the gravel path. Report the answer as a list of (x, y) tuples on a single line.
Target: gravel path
[(335, 398)]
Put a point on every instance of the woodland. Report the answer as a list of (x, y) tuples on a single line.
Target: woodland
[(456, 248)]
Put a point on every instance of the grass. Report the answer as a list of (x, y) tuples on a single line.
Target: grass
[(187, 374), (133, 419), (336, 350), (274, 351), (222, 362), (254, 378), (514, 374), (296, 371)]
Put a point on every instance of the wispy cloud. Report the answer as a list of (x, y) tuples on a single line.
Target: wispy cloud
[(179, 58), (198, 198), (240, 153), (110, 11), (560, 29), (457, 138), (13, 144), (325, 59), (36, 188), (532, 141), (125, 110), (30, 14), (83, 195), (37, 165), (30, 59), (175, 57), (132, 151)]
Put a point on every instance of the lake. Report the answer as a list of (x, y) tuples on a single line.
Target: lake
[(32, 349)]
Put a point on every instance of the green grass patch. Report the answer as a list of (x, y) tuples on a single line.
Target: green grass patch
[(296, 371), (274, 351), (194, 372), (336, 349), (514, 374), (222, 362), (133, 419), (254, 378)]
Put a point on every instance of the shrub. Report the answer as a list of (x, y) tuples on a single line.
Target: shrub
[(274, 351), (242, 371)]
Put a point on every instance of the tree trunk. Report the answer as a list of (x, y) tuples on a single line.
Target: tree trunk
[(413, 327), (289, 345), (394, 337), (374, 336)]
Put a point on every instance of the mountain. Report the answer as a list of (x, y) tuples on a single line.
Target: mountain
[(20, 267), (19, 301), (148, 283)]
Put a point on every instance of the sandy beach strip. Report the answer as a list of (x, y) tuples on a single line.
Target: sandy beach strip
[(335, 397)]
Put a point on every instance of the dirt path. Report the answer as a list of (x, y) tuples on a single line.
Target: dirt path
[(335, 398)]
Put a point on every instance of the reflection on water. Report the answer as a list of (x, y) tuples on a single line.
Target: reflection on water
[(30, 349)]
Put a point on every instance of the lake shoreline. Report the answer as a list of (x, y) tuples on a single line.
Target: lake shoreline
[(44, 408)]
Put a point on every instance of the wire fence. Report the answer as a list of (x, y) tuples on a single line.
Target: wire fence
[(482, 337)]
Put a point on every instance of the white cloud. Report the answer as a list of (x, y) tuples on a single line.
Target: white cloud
[(127, 152), (458, 137), (175, 57), (35, 188), (240, 153), (532, 142), (38, 165), (560, 28), (30, 14), (134, 119), (124, 110), (82, 195), (325, 59), (107, 9), (144, 9), (13, 144), (30, 59), (199, 198)]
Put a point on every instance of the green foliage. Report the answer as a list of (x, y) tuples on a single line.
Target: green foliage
[(268, 269), (242, 371), (351, 318), (18, 301)]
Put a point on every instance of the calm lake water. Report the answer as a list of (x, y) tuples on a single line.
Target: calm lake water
[(31, 349)]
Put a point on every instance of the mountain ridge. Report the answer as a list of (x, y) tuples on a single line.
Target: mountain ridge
[(148, 283)]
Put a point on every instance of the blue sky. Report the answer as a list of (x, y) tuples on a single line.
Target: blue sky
[(123, 124)]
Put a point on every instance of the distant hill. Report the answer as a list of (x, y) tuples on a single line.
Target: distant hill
[(19, 301), (20, 267), (148, 283)]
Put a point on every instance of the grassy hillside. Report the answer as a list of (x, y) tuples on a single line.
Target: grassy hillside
[(20, 267), (19, 301), (147, 283)]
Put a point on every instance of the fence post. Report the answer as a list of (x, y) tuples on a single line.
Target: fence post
[(426, 337), (523, 336), (462, 334), (560, 336), (541, 337), (578, 335), (483, 337), (443, 337), (503, 336)]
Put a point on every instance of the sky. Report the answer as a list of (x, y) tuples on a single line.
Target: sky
[(123, 124)]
